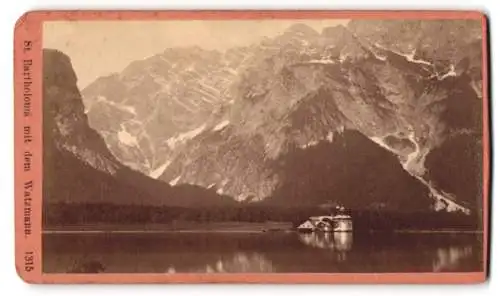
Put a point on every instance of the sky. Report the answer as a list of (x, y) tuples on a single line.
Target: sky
[(99, 48)]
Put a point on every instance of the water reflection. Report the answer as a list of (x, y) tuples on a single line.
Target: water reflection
[(449, 258), (239, 262), (261, 252), (338, 241)]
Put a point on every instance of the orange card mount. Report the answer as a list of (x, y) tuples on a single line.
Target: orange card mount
[(252, 147)]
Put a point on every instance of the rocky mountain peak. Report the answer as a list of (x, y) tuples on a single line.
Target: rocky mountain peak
[(301, 29), (227, 123)]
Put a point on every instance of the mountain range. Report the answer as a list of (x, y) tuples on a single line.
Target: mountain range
[(374, 114)]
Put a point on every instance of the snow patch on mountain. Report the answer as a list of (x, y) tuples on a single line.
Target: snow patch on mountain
[(309, 144), (380, 141), (159, 170), (183, 137), (221, 125), (329, 137), (444, 201), (175, 181), (129, 109), (126, 138), (322, 61), (377, 50), (410, 57), (414, 163), (241, 197), (451, 73), (380, 57)]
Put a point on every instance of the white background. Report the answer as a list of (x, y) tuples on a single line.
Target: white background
[(10, 283)]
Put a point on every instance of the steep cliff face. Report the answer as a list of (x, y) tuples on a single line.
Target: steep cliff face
[(404, 89), (65, 124), (78, 167), (146, 110)]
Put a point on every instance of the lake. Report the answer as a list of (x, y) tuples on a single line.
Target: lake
[(282, 252)]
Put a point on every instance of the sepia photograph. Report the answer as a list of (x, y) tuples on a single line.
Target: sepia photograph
[(335, 145)]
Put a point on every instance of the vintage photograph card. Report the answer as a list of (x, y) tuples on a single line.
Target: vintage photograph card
[(252, 147)]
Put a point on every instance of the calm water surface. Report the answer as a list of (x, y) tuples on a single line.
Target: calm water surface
[(260, 252)]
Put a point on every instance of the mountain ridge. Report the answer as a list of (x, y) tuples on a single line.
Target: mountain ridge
[(400, 95)]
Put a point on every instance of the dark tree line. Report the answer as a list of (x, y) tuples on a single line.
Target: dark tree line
[(380, 220), (74, 214), (61, 214)]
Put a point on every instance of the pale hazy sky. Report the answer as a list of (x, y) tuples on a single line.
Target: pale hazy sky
[(98, 48)]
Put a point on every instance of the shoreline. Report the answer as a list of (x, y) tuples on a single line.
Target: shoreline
[(232, 227), (222, 227), (438, 231), (152, 231)]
